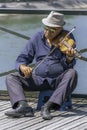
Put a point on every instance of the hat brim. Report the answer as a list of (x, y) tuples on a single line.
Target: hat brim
[(45, 22)]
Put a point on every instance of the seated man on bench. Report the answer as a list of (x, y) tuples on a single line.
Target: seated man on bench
[(53, 69)]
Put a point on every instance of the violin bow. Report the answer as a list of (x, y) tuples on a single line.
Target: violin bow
[(77, 53)]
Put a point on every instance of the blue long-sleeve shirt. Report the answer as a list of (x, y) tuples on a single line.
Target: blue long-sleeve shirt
[(37, 47)]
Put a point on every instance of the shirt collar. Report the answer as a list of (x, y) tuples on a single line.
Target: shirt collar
[(42, 35)]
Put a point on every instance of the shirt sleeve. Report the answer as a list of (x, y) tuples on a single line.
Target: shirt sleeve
[(27, 55), (67, 65)]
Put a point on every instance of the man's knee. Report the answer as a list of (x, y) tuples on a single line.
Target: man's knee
[(8, 77), (72, 73), (9, 80)]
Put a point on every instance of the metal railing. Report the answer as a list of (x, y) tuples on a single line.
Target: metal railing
[(35, 11)]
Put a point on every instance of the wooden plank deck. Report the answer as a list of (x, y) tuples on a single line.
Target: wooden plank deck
[(75, 119)]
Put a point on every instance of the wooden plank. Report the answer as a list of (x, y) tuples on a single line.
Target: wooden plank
[(42, 123), (65, 119), (81, 127), (45, 123), (13, 123), (57, 117), (20, 124), (73, 124)]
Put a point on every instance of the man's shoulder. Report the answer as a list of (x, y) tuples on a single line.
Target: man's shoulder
[(36, 38), (39, 33)]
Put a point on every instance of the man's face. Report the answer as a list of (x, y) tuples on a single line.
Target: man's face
[(52, 32)]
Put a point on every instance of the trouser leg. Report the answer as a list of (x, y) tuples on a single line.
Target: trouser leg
[(16, 84), (14, 87), (65, 87)]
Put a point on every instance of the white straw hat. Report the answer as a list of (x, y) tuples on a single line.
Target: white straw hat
[(54, 19)]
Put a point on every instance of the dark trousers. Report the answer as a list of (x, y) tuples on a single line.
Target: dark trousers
[(64, 86)]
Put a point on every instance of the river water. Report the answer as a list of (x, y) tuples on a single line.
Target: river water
[(11, 45)]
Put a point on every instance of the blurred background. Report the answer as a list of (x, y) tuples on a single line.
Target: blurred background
[(44, 4)]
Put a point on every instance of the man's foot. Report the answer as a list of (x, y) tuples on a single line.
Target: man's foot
[(21, 111), (45, 113)]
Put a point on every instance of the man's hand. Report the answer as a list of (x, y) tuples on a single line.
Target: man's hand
[(70, 55), (70, 52), (26, 70)]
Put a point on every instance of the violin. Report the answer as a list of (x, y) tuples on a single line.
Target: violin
[(65, 43)]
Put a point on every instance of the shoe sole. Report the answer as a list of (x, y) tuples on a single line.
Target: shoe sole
[(20, 115)]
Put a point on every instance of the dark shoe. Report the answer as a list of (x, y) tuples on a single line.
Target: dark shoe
[(20, 112), (45, 113)]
